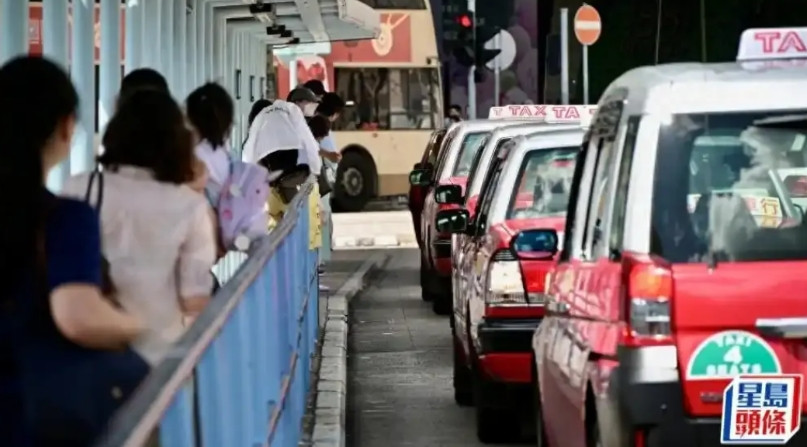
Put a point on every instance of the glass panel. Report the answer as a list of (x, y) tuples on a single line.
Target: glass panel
[(470, 146), (388, 99), (544, 182), (728, 188), (367, 89)]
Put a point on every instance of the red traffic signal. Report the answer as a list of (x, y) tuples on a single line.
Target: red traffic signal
[(465, 20)]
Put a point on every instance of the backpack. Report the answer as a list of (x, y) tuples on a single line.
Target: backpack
[(240, 204)]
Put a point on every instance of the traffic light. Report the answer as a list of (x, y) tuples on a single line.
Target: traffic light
[(472, 34)]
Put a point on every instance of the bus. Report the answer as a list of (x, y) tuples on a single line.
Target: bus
[(394, 99)]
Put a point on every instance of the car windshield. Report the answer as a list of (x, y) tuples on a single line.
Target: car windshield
[(544, 181), (731, 187), (472, 143)]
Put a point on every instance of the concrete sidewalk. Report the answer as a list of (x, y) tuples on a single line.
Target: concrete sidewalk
[(345, 276)]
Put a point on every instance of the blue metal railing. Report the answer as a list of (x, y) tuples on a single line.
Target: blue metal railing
[(239, 376)]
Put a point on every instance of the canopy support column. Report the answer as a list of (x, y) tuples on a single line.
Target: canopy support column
[(134, 34), (14, 28), (110, 67), (82, 71), (54, 46)]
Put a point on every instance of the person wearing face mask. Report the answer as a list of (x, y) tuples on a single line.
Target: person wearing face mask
[(454, 115), (280, 140)]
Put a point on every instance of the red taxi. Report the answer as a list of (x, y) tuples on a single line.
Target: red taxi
[(683, 262), (560, 117), (502, 302), (418, 188), (459, 146)]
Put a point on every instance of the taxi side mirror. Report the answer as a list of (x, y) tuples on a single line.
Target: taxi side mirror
[(452, 221), (536, 244), (420, 177), (448, 194)]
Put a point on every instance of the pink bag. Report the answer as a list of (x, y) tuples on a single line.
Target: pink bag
[(241, 205)]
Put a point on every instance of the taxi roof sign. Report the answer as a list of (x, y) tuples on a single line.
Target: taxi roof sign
[(759, 44), (550, 113)]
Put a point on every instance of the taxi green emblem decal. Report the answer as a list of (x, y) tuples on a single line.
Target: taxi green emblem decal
[(727, 354)]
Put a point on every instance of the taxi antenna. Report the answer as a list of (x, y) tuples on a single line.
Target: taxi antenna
[(660, 4)]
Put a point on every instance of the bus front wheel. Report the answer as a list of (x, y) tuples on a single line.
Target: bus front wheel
[(355, 178)]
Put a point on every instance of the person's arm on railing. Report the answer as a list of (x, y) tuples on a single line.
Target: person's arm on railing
[(196, 257), (77, 307)]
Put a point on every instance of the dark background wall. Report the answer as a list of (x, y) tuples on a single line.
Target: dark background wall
[(628, 40)]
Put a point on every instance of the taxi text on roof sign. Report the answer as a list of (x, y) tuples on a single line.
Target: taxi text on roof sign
[(772, 43), (546, 112)]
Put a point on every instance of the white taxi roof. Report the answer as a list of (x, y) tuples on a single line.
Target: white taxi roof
[(458, 131), (533, 142), (770, 74), (510, 115), (475, 186)]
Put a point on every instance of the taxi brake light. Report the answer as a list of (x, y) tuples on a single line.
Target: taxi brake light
[(647, 305), (796, 185), (505, 281)]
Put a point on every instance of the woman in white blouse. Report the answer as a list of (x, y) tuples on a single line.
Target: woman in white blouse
[(157, 234)]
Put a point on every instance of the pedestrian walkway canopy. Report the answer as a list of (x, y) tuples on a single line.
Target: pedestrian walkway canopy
[(189, 41)]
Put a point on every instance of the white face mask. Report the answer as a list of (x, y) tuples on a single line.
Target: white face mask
[(310, 109)]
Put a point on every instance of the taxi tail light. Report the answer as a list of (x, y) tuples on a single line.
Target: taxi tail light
[(796, 185), (647, 310), (505, 281)]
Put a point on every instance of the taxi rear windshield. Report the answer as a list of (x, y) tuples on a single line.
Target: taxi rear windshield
[(543, 183), (731, 187), (470, 146)]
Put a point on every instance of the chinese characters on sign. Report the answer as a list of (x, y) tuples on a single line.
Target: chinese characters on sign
[(761, 409)]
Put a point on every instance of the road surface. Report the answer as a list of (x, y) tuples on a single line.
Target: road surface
[(399, 367)]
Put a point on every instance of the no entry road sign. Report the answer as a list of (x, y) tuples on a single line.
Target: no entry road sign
[(587, 25)]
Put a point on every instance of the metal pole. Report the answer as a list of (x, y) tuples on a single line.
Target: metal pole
[(109, 64), (133, 36), (14, 23), (471, 72), (564, 55), (167, 43), (82, 70), (151, 34), (292, 71), (191, 42), (585, 74), (180, 46), (54, 46), (497, 70), (210, 44)]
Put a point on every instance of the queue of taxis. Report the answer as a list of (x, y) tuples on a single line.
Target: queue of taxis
[(454, 156), (497, 308), (445, 183), (418, 190), (683, 258)]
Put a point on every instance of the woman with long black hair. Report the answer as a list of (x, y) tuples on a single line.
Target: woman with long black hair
[(52, 308)]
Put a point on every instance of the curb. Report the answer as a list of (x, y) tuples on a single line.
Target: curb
[(387, 241), (330, 412)]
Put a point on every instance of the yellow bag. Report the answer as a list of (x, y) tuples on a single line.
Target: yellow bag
[(314, 220)]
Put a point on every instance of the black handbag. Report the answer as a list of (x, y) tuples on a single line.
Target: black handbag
[(70, 392)]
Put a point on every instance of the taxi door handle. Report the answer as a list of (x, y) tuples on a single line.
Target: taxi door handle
[(793, 328), (558, 307)]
